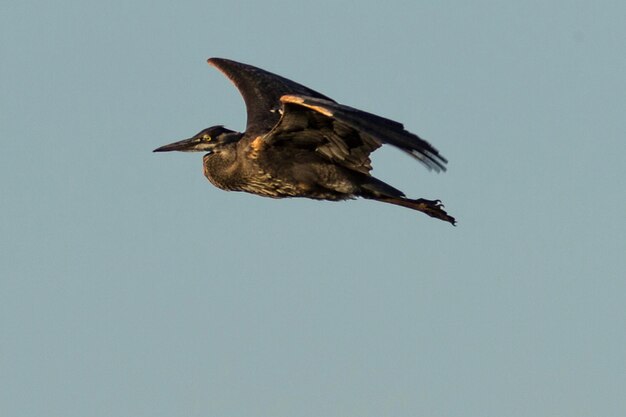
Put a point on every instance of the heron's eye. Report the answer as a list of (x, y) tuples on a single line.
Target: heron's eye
[(206, 137)]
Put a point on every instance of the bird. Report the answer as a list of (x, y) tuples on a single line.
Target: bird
[(301, 143)]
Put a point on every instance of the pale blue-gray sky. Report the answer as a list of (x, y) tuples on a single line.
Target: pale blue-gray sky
[(129, 286)]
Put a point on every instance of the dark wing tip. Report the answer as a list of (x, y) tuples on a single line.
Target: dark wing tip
[(428, 156), (228, 67), (219, 62)]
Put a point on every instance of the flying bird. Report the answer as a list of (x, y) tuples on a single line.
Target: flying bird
[(300, 143)]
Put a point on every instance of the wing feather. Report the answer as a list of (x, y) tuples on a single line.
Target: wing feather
[(347, 135), (261, 91)]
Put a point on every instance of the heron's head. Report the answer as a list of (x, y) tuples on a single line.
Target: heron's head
[(207, 140)]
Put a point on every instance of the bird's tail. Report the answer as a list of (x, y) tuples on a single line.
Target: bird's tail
[(433, 208)]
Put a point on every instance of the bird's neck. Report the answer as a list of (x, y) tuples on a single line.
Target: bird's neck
[(221, 167)]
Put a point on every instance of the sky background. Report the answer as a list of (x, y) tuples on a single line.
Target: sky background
[(129, 286)]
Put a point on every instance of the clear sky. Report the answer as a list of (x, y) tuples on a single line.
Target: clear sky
[(129, 286)]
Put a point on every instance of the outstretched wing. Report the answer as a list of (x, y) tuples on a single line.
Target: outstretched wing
[(261, 91), (346, 135)]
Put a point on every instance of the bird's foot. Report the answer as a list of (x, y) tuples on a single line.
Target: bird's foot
[(434, 208)]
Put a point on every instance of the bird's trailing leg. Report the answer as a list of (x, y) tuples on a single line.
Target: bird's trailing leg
[(433, 208)]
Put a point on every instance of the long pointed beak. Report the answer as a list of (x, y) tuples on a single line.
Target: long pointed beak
[(181, 145)]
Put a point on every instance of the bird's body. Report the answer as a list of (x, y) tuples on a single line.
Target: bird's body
[(300, 143), (256, 172)]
